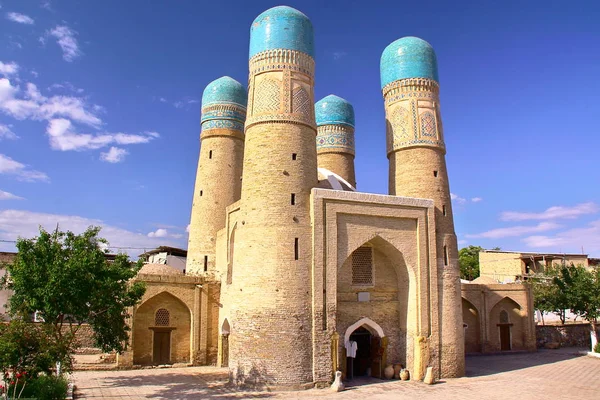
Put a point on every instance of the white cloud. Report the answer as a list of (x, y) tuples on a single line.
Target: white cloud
[(187, 228), (66, 86), (571, 240), (114, 155), (476, 199), (159, 233), (34, 73), (22, 172), (458, 199), (63, 138), (20, 18), (65, 37), (10, 68), (515, 231), (184, 103), (15, 223), (339, 54), (556, 212), (47, 5), (31, 104), (9, 196), (6, 132)]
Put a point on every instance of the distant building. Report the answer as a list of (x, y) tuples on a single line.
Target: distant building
[(172, 256), (5, 258), (511, 266)]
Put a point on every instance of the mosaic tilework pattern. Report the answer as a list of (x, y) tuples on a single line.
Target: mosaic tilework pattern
[(281, 27), (408, 57), (412, 112), (224, 90), (281, 88), (335, 138), (334, 110)]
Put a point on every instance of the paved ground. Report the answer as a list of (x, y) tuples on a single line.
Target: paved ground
[(547, 374)]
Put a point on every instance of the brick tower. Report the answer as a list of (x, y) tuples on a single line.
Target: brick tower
[(416, 152), (335, 136), (270, 341), (218, 179)]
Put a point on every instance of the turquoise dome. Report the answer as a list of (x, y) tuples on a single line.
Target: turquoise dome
[(281, 27), (408, 57), (333, 110), (225, 90)]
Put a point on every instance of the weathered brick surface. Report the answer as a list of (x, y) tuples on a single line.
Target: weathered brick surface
[(571, 335)]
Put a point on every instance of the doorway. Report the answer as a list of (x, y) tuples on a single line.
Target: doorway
[(162, 347), (505, 344), (368, 355)]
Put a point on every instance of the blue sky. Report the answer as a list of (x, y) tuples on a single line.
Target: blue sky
[(99, 110)]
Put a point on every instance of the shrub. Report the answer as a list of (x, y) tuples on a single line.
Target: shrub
[(597, 348), (44, 387)]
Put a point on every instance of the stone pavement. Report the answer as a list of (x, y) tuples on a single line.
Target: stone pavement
[(547, 374)]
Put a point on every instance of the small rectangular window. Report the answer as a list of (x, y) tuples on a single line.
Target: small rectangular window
[(210, 154), (294, 156), (445, 256), (295, 248), (435, 173), (444, 210), (201, 193), (205, 263), (293, 201)]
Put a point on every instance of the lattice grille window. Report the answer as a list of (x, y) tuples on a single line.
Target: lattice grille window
[(504, 317), (162, 317), (362, 266)]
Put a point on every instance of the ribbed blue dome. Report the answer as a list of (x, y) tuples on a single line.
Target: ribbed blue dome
[(281, 27), (224, 90), (408, 57), (333, 110)]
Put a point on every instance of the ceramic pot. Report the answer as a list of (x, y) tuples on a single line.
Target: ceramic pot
[(397, 369), (404, 375), (388, 372)]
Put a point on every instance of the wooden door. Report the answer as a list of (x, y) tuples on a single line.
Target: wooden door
[(162, 347), (504, 337), (375, 357)]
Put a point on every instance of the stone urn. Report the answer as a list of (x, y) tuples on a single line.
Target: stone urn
[(397, 369), (404, 375), (388, 372)]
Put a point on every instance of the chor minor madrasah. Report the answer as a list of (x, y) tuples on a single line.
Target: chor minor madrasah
[(292, 274)]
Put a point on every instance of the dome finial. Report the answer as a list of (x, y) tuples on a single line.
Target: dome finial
[(333, 110), (281, 27), (408, 57), (224, 90)]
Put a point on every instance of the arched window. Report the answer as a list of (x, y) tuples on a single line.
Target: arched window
[(162, 317), (362, 266), (504, 317)]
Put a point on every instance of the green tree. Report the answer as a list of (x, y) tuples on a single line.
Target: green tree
[(547, 296), (468, 259), (582, 290), (66, 278)]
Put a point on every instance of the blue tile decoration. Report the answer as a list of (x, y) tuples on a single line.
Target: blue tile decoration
[(335, 141), (408, 57), (281, 27), (333, 110), (223, 124), (224, 90), (214, 113), (428, 125)]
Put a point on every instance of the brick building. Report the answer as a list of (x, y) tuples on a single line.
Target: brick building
[(291, 272)]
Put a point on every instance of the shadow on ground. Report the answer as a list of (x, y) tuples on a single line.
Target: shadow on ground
[(481, 365)]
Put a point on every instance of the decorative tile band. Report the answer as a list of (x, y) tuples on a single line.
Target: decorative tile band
[(335, 139), (222, 124), (413, 115), (281, 59), (224, 111), (281, 88)]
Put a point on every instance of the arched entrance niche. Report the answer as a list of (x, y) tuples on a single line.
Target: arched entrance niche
[(161, 331), (507, 326), (373, 284), (224, 344), (471, 325), (365, 345)]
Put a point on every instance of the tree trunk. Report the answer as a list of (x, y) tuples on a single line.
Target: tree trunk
[(593, 334)]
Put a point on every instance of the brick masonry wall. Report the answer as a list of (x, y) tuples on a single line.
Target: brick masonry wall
[(572, 335)]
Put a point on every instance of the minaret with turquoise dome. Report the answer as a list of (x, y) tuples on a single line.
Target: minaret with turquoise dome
[(218, 178), (270, 289), (417, 168), (335, 136)]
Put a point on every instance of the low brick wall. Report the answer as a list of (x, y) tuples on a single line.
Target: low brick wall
[(571, 335)]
